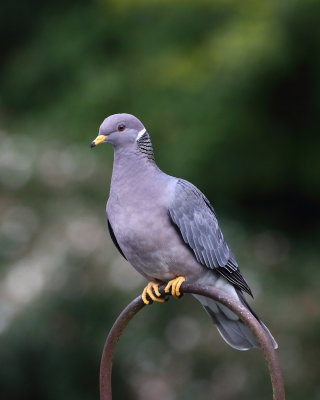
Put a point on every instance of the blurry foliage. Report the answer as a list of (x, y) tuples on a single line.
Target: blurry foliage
[(230, 93)]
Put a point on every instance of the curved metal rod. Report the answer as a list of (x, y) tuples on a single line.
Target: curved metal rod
[(137, 304)]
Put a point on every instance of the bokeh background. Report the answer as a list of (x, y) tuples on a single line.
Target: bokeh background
[(230, 92)]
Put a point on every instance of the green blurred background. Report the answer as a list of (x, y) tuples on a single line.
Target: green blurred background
[(230, 92)]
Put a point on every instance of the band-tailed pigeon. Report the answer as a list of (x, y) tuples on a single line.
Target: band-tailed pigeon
[(167, 229)]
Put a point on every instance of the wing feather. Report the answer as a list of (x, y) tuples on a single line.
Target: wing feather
[(196, 220), (114, 239)]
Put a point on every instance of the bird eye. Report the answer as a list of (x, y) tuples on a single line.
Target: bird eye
[(121, 127)]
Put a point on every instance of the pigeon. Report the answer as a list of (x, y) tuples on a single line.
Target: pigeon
[(168, 231)]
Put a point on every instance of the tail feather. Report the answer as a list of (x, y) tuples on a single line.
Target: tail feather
[(244, 302), (234, 331)]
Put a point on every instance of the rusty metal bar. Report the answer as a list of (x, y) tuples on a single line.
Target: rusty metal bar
[(137, 304)]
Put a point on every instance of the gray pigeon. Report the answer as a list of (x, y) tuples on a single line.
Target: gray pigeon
[(167, 229)]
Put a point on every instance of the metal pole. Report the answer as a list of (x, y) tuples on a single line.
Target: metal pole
[(137, 304)]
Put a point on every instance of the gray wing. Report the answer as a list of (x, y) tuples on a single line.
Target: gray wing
[(193, 214), (113, 237)]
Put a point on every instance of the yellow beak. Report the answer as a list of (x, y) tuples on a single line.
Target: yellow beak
[(99, 139)]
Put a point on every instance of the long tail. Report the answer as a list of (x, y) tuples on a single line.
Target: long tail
[(235, 332)]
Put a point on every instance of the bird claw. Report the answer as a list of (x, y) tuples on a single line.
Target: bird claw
[(174, 285), (151, 291)]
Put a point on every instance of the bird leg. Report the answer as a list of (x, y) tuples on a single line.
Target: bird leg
[(152, 291), (174, 285)]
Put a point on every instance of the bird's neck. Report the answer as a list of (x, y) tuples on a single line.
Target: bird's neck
[(133, 164), (144, 147)]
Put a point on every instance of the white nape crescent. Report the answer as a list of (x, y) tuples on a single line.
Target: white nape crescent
[(141, 133)]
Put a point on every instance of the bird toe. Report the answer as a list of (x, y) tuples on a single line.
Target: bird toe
[(151, 291), (174, 286)]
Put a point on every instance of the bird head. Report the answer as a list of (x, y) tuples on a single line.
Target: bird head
[(119, 130)]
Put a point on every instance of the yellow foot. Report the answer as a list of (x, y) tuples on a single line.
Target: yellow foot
[(152, 291), (174, 285)]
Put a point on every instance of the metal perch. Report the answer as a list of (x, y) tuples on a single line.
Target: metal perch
[(137, 304)]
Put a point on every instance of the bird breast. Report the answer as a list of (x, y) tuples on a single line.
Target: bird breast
[(139, 216), (145, 233)]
